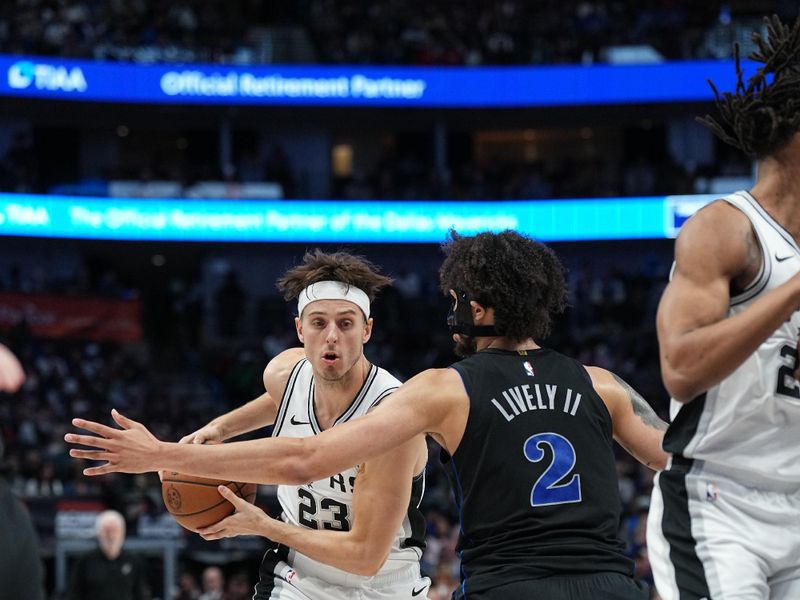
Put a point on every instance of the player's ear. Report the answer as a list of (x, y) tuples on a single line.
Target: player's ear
[(367, 331), (298, 325), (478, 311)]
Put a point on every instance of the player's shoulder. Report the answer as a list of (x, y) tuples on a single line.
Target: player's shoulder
[(603, 381), (716, 219), (280, 367), (444, 381), (719, 237), (611, 388)]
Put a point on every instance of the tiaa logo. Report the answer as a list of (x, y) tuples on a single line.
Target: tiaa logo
[(24, 74)]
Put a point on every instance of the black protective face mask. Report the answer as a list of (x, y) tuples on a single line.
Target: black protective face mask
[(459, 319)]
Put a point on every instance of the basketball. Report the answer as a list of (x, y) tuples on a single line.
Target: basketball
[(194, 502)]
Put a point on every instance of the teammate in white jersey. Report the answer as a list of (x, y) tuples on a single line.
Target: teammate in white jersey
[(725, 517), (357, 534)]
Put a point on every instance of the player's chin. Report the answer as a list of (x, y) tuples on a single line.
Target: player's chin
[(331, 372)]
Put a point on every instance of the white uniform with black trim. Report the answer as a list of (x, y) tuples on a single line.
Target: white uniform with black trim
[(734, 482), (327, 504)]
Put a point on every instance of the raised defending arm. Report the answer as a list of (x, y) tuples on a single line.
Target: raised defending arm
[(428, 403)]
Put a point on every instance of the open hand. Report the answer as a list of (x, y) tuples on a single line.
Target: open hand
[(132, 449), (247, 519)]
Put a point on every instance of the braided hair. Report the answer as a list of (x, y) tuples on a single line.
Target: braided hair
[(762, 115)]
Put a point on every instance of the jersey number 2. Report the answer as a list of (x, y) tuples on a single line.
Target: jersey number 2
[(547, 490), (308, 512), (787, 384)]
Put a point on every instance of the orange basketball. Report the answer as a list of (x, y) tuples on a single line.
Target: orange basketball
[(194, 502)]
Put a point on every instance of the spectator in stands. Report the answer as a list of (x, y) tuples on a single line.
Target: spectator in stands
[(108, 572), (213, 584), (188, 588), (239, 587), (230, 303)]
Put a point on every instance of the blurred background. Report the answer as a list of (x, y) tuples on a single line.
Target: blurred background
[(173, 331)]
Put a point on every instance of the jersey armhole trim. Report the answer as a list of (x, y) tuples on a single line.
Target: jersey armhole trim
[(287, 392), (759, 282)]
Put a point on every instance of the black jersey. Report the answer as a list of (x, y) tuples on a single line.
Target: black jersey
[(534, 475)]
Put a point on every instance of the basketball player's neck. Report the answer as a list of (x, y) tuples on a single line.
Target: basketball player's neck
[(499, 342), (504, 343), (777, 186), (333, 397)]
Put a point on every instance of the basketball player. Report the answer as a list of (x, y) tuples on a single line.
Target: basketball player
[(527, 432), (725, 517), (370, 540)]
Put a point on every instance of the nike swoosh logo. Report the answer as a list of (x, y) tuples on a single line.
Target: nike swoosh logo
[(293, 421), (419, 591), (783, 258)]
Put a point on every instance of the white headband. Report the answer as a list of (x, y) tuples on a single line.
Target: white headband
[(333, 290)]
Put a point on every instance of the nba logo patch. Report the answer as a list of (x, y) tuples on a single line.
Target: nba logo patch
[(528, 368), (711, 492), (288, 574)]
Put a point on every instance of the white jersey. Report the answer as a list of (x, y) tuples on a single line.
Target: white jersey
[(748, 426), (327, 503)]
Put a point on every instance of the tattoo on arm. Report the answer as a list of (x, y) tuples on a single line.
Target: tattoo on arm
[(640, 406)]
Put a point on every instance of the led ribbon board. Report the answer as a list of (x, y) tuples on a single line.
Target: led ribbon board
[(443, 87), (339, 221)]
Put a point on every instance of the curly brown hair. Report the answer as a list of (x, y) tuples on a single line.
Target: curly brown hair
[(520, 278), (761, 116), (337, 266)]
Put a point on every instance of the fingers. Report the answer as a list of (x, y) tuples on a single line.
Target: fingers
[(226, 493), (87, 440), (215, 535), (101, 470), (122, 420), (215, 531), (198, 437), (89, 454), (98, 428)]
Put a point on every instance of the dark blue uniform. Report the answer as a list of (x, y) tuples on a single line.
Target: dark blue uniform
[(536, 483)]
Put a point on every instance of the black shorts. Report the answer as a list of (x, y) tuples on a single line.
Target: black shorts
[(600, 586)]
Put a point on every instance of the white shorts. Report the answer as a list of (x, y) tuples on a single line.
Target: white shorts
[(710, 537), (304, 579)]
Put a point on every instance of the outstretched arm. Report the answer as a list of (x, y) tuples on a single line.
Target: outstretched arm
[(380, 502), (637, 427), (424, 404), (699, 345)]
